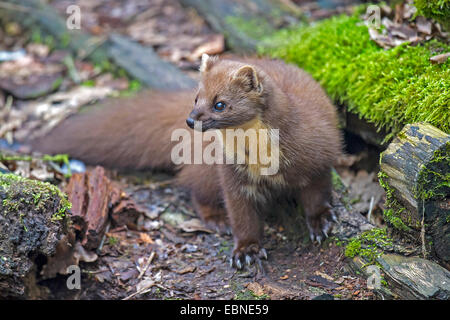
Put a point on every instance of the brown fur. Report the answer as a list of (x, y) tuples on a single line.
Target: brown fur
[(259, 94)]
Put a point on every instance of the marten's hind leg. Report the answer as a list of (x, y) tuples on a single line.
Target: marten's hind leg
[(315, 199), (213, 215)]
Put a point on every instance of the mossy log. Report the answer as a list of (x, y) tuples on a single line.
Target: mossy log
[(140, 62), (415, 172), (33, 225), (244, 22)]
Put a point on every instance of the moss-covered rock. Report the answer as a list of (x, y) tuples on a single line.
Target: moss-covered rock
[(389, 88), (33, 219)]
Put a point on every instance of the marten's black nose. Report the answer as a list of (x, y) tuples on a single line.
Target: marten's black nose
[(190, 122)]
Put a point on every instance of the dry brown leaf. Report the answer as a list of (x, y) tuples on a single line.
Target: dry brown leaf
[(423, 25), (256, 288), (194, 225), (145, 238), (440, 58), (188, 269)]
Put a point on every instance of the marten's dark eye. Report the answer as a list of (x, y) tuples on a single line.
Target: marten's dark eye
[(219, 106), (196, 99)]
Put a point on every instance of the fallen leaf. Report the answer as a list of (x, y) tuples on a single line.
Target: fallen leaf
[(256, 288), (145, 238), (440, 58), (188, 269), (423, 25), (194, 225), (323, 275)]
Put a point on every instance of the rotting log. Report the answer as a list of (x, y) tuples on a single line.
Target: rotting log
[(96, 200), (140, 62), (415, 172), (244, 22), (34, 225)]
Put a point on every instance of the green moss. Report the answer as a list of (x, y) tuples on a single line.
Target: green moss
[(438, 10), (337, 181), (59, 158), (254, 28), (112, 241), (386, 87), (353, 248), (41, 192), (434, 178), (368, 245), (393, 216), (242, 293)]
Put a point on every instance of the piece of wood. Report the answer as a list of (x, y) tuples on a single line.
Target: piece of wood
[(415, 172), (415, 278), (140, 62), (95, 200), (244, 22), (407, 278), (144, 64), (90, 195)]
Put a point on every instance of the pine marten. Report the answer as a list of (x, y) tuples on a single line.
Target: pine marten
[(233, 93)]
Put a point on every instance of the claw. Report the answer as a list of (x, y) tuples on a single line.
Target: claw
[(231, 262), (263, 253), (333, 217), (319, 239), (239, 264), (248, 260)]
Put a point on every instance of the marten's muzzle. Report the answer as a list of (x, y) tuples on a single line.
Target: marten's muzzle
[(190, 122)]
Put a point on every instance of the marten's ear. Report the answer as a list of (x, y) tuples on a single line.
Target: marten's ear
[(248, 78), (207, 62)]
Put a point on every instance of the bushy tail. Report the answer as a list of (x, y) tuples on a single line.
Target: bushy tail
[(124, 132)]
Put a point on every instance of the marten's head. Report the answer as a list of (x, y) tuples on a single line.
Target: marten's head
[(230, 94)]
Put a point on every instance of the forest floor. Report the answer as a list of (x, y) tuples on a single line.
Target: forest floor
[(181, 259), (173, 256)]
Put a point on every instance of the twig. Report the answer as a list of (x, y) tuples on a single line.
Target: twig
[(369, 215), (149, 260), (100, 247), (422, 231)]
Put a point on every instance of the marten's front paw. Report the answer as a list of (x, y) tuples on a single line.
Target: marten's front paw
[(247, 255), (320, 225)]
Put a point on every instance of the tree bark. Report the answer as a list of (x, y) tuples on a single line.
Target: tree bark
[(415, 171)]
